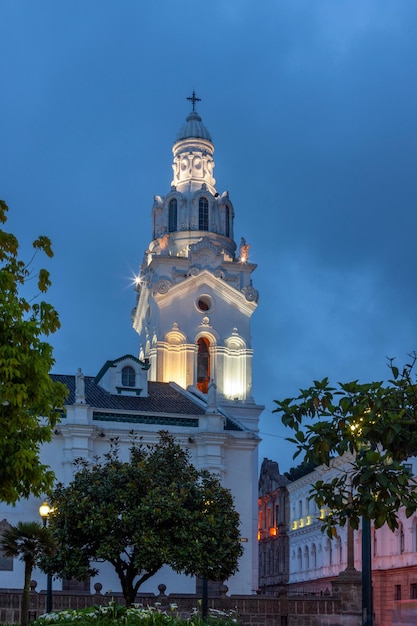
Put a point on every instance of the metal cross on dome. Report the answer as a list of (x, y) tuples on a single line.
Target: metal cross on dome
[(194, 99)]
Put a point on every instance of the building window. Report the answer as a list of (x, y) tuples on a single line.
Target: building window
[(203, 364), (306, 558), (313, 556), (330, 548), (300, 560), (408, 468), (204, 303), (172, 215), (413, 591), (128, 376), (339, 548), (414, 534), (397, 592), (401, 539), (260, 521), (203, 214)]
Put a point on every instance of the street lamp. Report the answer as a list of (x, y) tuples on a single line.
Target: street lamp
[(44, 511)]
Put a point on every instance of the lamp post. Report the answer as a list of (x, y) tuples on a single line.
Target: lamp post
[(367, 608), (44, 511), (204, 599), (367, 599)]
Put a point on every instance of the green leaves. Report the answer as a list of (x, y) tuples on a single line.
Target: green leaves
[(155, 509), (373, 427), (29, 399), (44, 243)]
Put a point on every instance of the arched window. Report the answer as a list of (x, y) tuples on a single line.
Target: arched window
[(203, 214), (338, 551), (330, 551), (306, 558), (414, 531), (227, 214), (313, 556), (172, 215), (401, 538), (203, 364), (128, 376), (299, 560)]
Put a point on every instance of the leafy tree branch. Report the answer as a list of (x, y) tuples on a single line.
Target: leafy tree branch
[(29, 400), (374, 427)]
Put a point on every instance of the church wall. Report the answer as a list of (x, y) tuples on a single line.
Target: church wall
[(232, 460), (241, 478)]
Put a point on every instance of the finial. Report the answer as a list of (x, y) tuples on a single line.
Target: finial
[(194, 99)]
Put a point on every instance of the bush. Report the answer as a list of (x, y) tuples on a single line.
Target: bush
[(136, 615)]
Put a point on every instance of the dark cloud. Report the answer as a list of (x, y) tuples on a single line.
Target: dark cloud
[(312, 110)]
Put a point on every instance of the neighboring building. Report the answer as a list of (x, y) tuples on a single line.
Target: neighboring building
[(193, 374), (273, 516), (315, 560)]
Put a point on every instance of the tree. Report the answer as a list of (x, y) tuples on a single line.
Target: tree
[(29, 541), (299, 471), (26, 389), (155, 509), (375, 426)]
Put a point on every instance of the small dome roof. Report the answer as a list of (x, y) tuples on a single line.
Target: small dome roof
[(193, 127)]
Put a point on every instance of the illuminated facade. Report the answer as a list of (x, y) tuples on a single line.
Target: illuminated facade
[(193, 373), (315, 560), (273, 516), (195, 293)]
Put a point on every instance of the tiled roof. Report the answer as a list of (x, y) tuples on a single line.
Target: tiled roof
[(162, 398)]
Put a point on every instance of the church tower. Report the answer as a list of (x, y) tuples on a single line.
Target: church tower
[(195, 293), (193, 376)]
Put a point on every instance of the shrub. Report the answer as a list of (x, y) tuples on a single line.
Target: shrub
[(136, 615)]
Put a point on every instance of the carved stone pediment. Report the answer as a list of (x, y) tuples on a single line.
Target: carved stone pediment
[(205, 253)]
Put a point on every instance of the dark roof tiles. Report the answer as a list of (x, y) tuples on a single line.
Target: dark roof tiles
[(162, 398)]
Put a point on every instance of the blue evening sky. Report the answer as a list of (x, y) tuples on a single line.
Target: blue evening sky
[(312, 106)]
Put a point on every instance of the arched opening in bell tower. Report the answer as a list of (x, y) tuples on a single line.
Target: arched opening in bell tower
[(203, 214), (203, 364), (172, 215)]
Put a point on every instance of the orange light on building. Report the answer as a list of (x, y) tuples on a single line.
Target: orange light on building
[(273, 531), (259, 535)]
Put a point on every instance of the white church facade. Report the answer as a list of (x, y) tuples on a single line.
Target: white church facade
[(192, 373)]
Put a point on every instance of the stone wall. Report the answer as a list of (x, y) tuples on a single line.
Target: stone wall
[(340, 608)]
